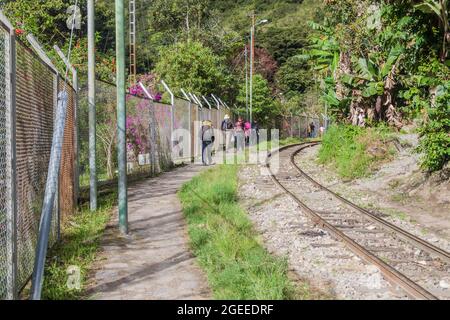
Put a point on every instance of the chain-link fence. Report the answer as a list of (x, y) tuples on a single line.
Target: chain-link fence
[(6, 263), (304, 126), (158, 135), (27, 112)]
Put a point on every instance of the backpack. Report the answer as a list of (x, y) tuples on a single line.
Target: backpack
[(207, 134), (224, 125)]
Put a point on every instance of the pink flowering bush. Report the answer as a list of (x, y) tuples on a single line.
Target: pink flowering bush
[(149, 81)]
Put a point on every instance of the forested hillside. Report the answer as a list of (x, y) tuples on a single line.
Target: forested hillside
[(364, 62)]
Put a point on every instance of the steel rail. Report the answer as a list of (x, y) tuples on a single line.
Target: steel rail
[(391, 274), (420, 243)]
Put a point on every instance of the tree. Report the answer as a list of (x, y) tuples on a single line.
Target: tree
[(293, 77), (435, 142), (193, 67), (440, 9), (264, 109)]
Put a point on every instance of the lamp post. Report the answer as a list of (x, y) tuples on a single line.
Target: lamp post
[(252, 58), (92, 110), (121, 116), (246, 80)]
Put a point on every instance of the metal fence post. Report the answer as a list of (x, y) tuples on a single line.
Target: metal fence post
[(76, 140), (121, 116), (190, 123), (49, 198), (57, 205), (92, 108), (14, 169), (76, 183), (12, 290), (172, 112)]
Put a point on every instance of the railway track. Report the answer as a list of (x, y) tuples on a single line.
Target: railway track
[(404, 259)]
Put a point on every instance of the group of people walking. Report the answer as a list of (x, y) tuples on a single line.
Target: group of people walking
[(238, 134)]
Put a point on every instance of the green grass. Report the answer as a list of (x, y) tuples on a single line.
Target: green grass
[(226, 245), (355, 152), (78, 247), (84, 178), (396, 214)]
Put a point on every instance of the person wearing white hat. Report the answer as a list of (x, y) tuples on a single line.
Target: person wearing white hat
[(207, 137), (227, 131)]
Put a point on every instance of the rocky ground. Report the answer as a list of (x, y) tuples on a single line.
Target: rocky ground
[(399, 190), (313, 254), (324, 262)]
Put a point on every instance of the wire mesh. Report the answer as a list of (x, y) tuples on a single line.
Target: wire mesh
[(105, 99), (182, 127), (67, 172), (204, 114), (303, 126), (5, 169), (35, 100), (162, 115), (195, 118), (215, 118)]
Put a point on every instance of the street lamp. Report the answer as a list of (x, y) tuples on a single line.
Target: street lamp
[(252, 59), (262, 22)]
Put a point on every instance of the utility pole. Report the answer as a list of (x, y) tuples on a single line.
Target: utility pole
[(246, 80), (92, 111), (252, 58), (252, 61), (121, 116), (132, 42)]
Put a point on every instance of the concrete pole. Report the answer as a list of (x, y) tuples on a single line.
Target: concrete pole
[(121, 116), (252, 61), (246, 80), (92, 112)]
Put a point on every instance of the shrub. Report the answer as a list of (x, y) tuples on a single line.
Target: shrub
[(435, 142), (354, 151)]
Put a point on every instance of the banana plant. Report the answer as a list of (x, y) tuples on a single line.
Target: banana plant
[(324, 50), (323, 54), (377, 75), (375, 78), (439, 8)]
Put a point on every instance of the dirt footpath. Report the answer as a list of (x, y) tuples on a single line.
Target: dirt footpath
[(154, 262)]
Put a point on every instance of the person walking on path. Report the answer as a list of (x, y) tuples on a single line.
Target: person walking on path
[(227, 131), (207, 137), (322, 131), (255, 130), (247, 131), (312, 129), (239, 134)]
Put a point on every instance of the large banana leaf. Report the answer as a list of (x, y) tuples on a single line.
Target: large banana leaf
[(373, 89), (394, 55), (430, 6)]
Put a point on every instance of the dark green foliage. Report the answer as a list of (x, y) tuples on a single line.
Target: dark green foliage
[(193, 67), (435, 143), (294, 77), (263, 103), (384, 60)]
